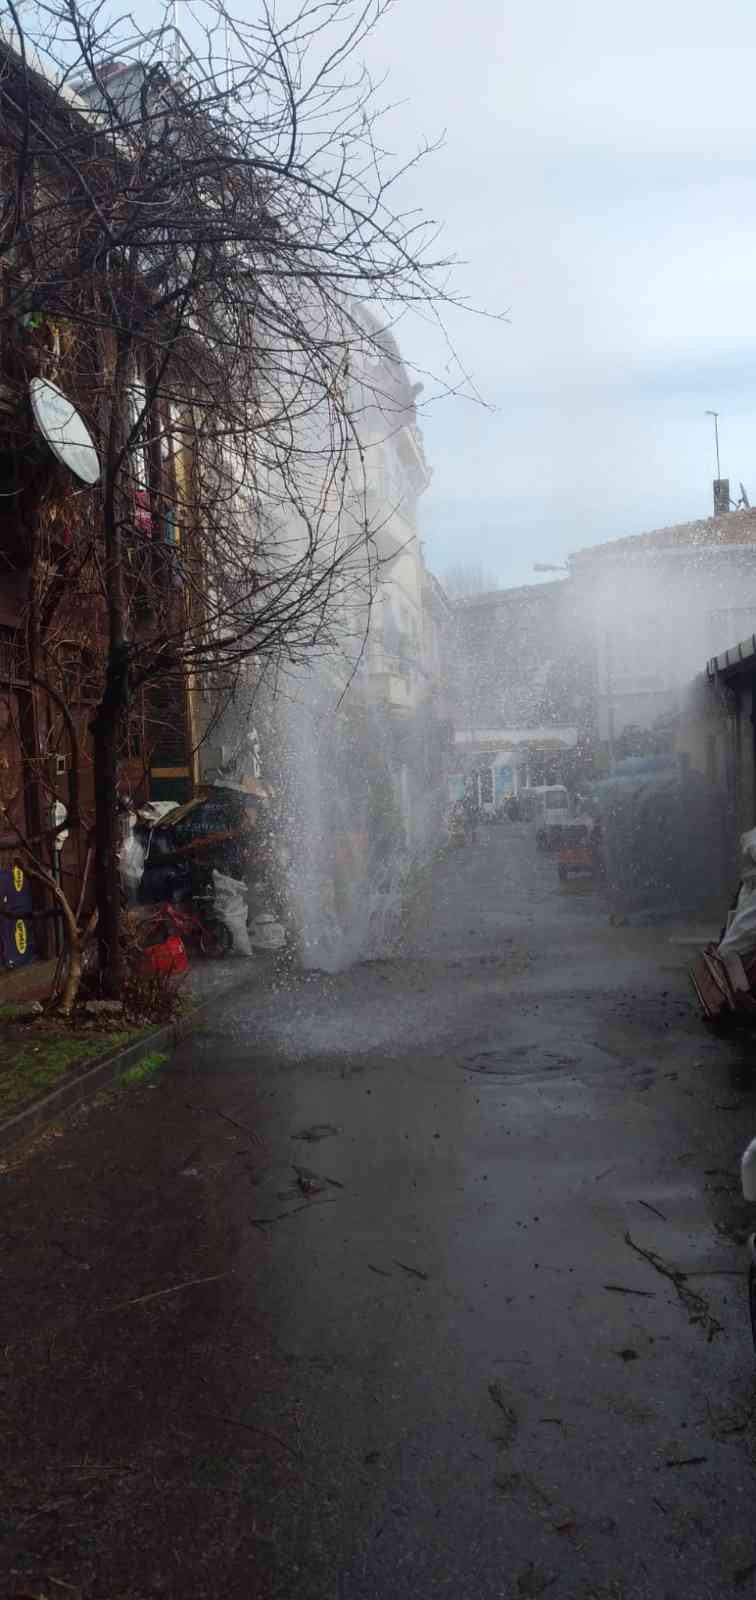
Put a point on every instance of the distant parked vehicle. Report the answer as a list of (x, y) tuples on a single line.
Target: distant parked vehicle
[(547, 808), (577, 856)]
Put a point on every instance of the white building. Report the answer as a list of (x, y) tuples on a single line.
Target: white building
[(389, 477), (658, 604), (402, 668)]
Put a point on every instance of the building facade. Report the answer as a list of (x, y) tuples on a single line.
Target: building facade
[(54, 622), (522, 699), (653, 607), (715, 739), (402, 676)]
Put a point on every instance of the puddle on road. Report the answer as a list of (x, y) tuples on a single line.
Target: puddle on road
[(515, 1062), (533, 1048)]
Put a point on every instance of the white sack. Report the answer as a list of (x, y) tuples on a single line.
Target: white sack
[(131, 861), (748, 1172), (740, 935), (230, 904)]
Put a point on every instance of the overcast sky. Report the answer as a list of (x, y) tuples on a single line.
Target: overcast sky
[(599, 179)]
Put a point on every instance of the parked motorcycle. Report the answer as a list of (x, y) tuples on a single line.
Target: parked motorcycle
[(196, 924)]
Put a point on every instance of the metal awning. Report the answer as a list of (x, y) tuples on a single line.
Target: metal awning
[(740, 657)]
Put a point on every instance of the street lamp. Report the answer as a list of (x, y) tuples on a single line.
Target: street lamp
[(548, 566)]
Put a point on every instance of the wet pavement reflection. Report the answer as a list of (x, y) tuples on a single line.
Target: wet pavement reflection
[(478, 1326)]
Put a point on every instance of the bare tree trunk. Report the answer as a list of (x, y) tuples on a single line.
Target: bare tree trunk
[(108, 722), (71, 987), (29, 729), (73, 935), (107, 843)]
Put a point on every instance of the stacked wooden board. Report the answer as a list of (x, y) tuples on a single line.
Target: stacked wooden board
[(725, 985)]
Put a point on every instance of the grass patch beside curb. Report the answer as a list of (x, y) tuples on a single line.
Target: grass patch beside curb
[(30, 1068), (145, 1069)]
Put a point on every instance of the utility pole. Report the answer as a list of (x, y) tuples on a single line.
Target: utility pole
[(715, 415), (722, 501)]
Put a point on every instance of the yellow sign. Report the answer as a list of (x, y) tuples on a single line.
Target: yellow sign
[(19, 934), (18, 878)]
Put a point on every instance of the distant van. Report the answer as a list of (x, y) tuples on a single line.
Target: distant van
[(546, 807)]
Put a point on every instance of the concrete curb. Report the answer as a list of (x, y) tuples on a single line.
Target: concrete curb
[(109, 1070)]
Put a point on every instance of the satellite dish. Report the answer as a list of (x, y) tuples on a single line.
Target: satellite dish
[(64, 430)]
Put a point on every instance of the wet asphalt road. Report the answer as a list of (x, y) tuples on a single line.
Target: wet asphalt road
[(433, 1364)]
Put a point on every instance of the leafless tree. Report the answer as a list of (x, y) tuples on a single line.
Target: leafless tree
[(191, 228)]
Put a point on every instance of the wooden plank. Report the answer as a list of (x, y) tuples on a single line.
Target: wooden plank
[(710, 996), (717, 973), (736, 972)]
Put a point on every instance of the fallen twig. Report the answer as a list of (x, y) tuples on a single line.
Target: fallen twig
[(251, 1427), (414, 1272), (380, 1271), (212, 1111), (695, 1304), (509, 1414), (687, 1461), (536, 1489), (159, 1294), (655, 1209), (619, 1288), (309, 1186), (306, 1175), (321, 1130), (673, 1273), (309, 1205), (265, 1433), (78, 1262), (716, 1272)]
